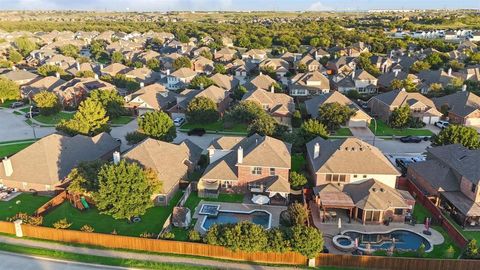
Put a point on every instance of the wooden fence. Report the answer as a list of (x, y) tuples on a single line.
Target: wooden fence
[(394, 263), (438, 216), (54, 202)]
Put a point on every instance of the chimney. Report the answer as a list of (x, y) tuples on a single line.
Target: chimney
[(201, 86), (96, 76), (396, 72), (14, 68), (78, 65), (116, 157), (240, 155), (464, 87), (450, 72), (101, 66), (168, 72), (261, 73), (7, 166), (403, 89), (316, 55), (57, 74), (272, 89), (142, 85), (316, 150), (353, 74)]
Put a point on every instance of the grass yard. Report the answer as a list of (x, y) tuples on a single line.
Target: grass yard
[(152, 221), (216, 127), (53, 119), (7, 103), (298, 162), (28, 204), (10, 149), (343, 132), (384, 130), (121, 120)]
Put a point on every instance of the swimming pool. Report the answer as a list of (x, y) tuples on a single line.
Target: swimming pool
[(404, 240), (259, 217)]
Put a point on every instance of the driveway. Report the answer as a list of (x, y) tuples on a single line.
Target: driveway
[(13, 127), (362, 133), (203, 141), (120, 132), (397, 147)]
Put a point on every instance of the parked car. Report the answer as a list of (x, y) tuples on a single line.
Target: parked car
[(17, 104), (179, 121), (442, 124), (410, 139), (34, 113), (403, 163), (197, 132)]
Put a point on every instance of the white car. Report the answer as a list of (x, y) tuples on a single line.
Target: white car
[(442, 124), (179, 121)]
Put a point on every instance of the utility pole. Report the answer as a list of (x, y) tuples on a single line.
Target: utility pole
[(33, 124)]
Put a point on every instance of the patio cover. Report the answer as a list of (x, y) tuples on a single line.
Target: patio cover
[(468, 207), (209, 185), (336, 200)]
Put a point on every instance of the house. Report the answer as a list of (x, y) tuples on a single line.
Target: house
[(429, 77), (309, 84), (356, 49), (151, 98), (180, 78), (365, 83), (450, 177), (359, 119), (143, 75), (201, 64), (76, 90), (421, 107), (254, 55), (280, 106), (219, 96), (340, 64), (463, 108), (385, 79), (44, 84), (114, 69), (238, 164), (44, 165), (347, 161), (171, 162), (226, 82), (20, 77), (309, 62), (261, 81), (278, 65), (224, 55)]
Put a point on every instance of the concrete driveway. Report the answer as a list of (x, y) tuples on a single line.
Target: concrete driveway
[(13, 127), (203, 141), (397, 147), (362, 133)]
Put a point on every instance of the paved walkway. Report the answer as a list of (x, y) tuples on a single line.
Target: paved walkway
[(136, 256)]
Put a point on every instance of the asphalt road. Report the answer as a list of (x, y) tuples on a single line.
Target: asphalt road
[(23, 262)]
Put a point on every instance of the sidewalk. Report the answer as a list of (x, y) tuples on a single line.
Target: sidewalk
[(137, 256)]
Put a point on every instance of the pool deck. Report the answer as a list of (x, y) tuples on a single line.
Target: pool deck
[(274, 210)]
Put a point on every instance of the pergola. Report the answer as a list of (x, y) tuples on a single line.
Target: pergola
[(335, 200)]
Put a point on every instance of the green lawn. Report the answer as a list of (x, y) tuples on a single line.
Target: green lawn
[(8, 150), (121, 120), (152, 221), (7, 103), (53, 119), (467, 234), (28, 203), (343, 132), (298, 163), (216, 127), (384, 130)]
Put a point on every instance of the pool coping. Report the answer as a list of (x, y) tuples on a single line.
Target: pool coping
[(205, 216), (389, 231)]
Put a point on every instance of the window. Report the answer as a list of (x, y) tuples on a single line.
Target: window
[(398, 211), (335, 178), (161, 198), (257, 170), (328, 178), (342, 178), (272, 171), (474, 188), (226, 184), (355, 176), (364, 176)]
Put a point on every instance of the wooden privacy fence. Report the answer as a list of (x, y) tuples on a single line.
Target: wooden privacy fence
[(54, 202), (394, 263)]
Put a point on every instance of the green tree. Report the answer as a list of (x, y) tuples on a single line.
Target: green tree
[(14, 56), (83, 179), (157, 125), (312, 128), (117, 57), (296, 119), (244, 236), (110, 100), (435, 60), (239, 91), (153, 64), (277, 240), (456, 134), (5, 63), (307, 241), (472, 249), (69, 50), (298, 214), (333, 115), (219, 68), (90, 119), (207, 54), (419, 66), (201, 81), (182, 62), (9, 90), (265, 125), (50, 70), (245, 112), (125, 190), (297, 180), (202, 110), (47, 103), (400, 117), (85, 74), (24, 45)]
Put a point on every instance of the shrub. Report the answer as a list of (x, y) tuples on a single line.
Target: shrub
[(87, 228), (297, 180), (194, 236), (27, 219), (472, 249), (167, 235), (62, 224), (297, 119), (298, 214), (134, 137), (147, 235), (449, 252), (421, 251)]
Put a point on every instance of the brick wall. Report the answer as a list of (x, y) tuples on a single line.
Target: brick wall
[(245, 174)]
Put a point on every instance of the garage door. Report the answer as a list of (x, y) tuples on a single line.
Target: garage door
[(357, 123), (430, 119), (472, 122)]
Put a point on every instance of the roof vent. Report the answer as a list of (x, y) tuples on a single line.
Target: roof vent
[(374, 190), (382, 190)]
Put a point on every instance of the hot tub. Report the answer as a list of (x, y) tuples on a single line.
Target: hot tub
[(343, 243)]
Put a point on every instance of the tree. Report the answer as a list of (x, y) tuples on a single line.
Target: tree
[(14, 56), (182, 62), (207, 54), (245, 112), (47, 103), (202, 110), (69, 50), (153, 64), (84, 178), (157, 125), (307, 241), (200, 82), (90, 119), (408, 84), (244, 236), (265, 125), (125, 190), (333, 115), (110, 100), (419, 66), (85, 74), (239, 91), (277, 240), (50, 70), (400, 117), (219, 68), (297, 180), (434, 60), (456, 134), (298, 214), (311, 129), (24, 45), (117, 57), (472, 249), (296, 119), (9, 90)]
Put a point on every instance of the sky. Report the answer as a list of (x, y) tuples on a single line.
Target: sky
[(233, 5)]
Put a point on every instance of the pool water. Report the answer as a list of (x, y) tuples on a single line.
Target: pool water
[(404, 240), (344, 241), (257, 217)]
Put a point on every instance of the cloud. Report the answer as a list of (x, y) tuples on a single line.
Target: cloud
[(318, 6)]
